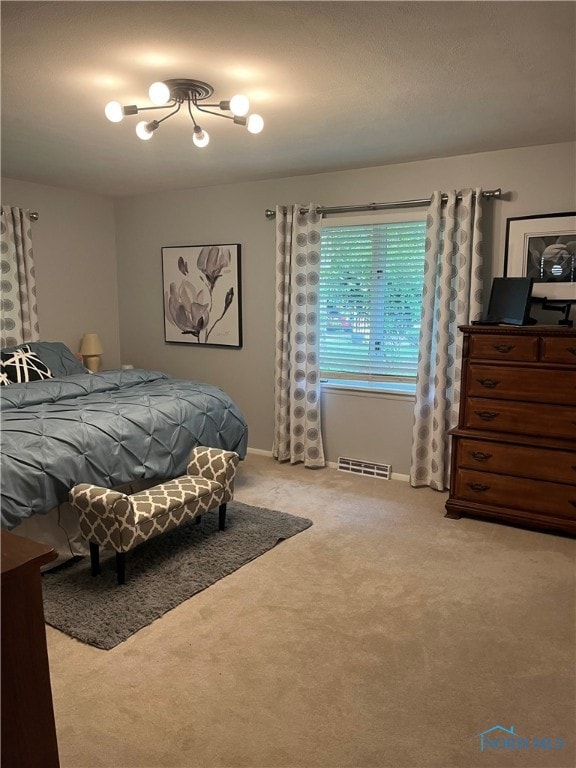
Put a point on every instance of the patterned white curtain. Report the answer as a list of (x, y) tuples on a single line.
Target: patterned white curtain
[(452, 297), (19, 313), (297, 433)]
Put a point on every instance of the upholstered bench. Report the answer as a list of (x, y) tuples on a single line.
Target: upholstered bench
[(120, 521)]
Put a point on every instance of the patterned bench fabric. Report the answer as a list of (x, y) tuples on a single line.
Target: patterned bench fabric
[(215, 464), (165, 498), (106, 517), (119, 521)]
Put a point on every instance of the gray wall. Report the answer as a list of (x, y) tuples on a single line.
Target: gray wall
[(75, 259), (78, 287), (536, 180)]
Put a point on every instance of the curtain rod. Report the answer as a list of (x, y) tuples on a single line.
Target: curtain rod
[(33, 214), (270, 214)]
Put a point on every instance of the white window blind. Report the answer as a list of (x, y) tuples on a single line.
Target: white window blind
[(370, 299)]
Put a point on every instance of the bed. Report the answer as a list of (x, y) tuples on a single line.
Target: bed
[(122, 429)]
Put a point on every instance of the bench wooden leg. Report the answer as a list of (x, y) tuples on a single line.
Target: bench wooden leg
[(94, 559), (222, 517), (121, 567)]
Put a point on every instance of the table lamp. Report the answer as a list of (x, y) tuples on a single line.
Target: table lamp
[(91, 349)]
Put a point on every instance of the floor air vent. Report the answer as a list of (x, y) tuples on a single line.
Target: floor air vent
[(368, 468)]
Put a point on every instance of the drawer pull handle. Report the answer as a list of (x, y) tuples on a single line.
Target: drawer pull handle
[(480, 456), (503, 348), (481, 488), (489, 383), (487, 415)]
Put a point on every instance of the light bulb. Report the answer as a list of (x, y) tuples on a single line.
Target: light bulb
[(159, 94), (239, 105), (142, 131), (200, 137), (114, 112), (255, 124)]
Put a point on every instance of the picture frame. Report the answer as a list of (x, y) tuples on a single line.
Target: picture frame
[(543, 247), (202, 294)]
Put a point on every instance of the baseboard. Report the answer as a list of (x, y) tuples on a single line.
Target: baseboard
[(259, 452), (330, 464)]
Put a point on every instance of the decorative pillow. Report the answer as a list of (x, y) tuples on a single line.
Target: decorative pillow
[(56, 355), (23, 365)]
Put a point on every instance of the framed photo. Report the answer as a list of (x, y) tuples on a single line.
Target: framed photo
[(202, 300), (544, 248)]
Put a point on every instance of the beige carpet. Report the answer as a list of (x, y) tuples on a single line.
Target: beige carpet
[(385, 636)]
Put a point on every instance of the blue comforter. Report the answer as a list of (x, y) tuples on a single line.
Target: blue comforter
[(108, 428)]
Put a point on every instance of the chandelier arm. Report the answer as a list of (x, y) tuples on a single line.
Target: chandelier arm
[(160, 106), (209, 112), (190, 113), (169, 115)]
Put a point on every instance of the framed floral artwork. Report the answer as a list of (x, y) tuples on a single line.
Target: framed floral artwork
[(543, 247), (202, 299)]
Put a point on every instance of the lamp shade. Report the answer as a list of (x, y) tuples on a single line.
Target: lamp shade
[(90, 345)]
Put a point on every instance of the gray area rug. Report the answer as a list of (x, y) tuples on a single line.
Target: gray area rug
[(160, 574)]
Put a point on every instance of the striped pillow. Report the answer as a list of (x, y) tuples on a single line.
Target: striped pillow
[(23, 365)]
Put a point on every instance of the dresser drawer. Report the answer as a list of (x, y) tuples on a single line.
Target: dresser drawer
[(538, 496), (494, 347), (517, 418), (558, 350), (522, 383), (518, 460)]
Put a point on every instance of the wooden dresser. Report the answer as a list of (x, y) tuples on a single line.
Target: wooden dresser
[(514, 449)]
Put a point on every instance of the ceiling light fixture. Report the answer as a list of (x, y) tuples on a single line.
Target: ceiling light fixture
[(172, 94)]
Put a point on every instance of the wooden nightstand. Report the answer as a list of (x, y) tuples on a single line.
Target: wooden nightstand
[(28, 729)]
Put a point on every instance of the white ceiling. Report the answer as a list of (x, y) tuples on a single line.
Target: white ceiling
[(339, 84)]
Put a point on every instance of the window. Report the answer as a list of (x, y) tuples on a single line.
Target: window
[(370, 297)]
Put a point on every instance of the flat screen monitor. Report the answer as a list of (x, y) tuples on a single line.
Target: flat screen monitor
[(510, 301)]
